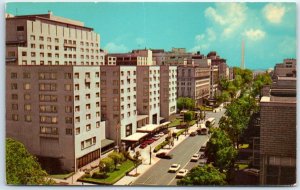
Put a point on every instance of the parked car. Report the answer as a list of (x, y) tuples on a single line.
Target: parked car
[(174, 168), (202, 149), (182, 173), (202, 162), (192, 134), (202, 156), (143, 145), (164, 155), (162, 134), (149, 141), (195, 158), (156, 137)]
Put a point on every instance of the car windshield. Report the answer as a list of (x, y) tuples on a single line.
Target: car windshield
[(174, 166)]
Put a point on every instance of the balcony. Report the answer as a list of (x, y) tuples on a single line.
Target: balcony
[(66, 44)]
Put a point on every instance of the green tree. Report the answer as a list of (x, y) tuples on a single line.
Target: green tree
[(206, 175), (116, 157), (225, 158), (185, 103), (22, 168), (180, 103), (136, 160), (189, 116), (106, 165)]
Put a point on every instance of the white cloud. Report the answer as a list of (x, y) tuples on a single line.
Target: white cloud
[(274, 12), (254, 34), (230, 16), (112, 47), (203, 41)]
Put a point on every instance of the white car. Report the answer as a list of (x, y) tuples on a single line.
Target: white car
[(156, 137), (161, 134), (195, 158), (182, 173), (174, 168)]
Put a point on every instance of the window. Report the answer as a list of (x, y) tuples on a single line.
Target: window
[(77, 98), (68, 87), (47, 87), (97, 94), (97, 114), (97, 85), (68, 109), (48, 119), (32, 46), (27, 107), (48, 39), (27, 118), (76, 86), (24, 53), (48, 109), (68, 98), (32, 54), (88, 116), (97, 124), (14, 106), (14, 86), (15, 117), (68, 75), (97, 75), (26, 75), (49, 130), (97, 104), (88, 106), (76, 75), (69, 131), (69, 120), (26, 86), (88, 127), (14, 96), (20, 28), (13, 75), (47, 98), (41, 38), (77, 130), (77, 119), (77, 108), (88, 96)]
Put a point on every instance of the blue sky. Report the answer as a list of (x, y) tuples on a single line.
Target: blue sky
[(268, 29)]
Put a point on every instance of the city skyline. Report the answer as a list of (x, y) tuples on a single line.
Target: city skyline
[(200, 27)]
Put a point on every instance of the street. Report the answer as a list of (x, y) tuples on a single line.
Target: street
[(158, 174)]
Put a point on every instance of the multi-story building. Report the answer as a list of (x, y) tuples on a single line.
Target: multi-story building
[(119, 100), (221, 63), (53, 106), (278, 133), (148, 92), (168, 91), (285, 69), (136, 57), (50, 40), (193, 82), (55, 112)]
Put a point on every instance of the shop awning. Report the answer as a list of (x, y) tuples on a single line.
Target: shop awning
[(106, 142), (134, 137), (141, 117), (165, 123), (148, 128)]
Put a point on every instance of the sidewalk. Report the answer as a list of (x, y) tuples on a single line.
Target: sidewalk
[(127, 180)]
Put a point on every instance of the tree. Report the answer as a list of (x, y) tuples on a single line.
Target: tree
[(225, 158), (136, 160), (180, 103), (22, 168), (189, 116), (116, 157), (206, 175), (106, 165), (185, 103)]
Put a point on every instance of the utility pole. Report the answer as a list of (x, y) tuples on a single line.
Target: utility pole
[(150, 153)]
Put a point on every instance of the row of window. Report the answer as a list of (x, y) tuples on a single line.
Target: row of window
[(56, 40), (87, 143), (33, 62), (52, 75), (116, 100)]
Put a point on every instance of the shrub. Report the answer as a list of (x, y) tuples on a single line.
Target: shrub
[(100, 175), (180, 132), (106, 165), (160, 146)]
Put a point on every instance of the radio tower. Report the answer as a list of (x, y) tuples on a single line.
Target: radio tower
[(243, 55)]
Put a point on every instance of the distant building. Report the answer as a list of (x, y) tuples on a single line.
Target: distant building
[(278, 133), (193, 82), (285, 69)]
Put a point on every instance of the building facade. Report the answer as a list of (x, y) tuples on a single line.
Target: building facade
[(168, 91), (278, 125)]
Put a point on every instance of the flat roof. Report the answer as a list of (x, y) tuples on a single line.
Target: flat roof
[(148, 128), (106, 142), (134, 137)]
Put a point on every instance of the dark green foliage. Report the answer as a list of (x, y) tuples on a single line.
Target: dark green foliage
[(185, 103), (106, 165), (207, 175), (21, 167)]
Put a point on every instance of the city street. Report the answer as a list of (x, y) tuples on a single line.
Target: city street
[(158, 174)]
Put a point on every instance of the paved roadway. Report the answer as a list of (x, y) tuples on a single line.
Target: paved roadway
[(158, 174)]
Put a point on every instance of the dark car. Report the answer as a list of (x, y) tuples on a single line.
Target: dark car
[(143, 145), (193, 134), (164, 155), (202, 149), (149, 141)]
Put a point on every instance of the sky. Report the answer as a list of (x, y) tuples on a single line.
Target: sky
[(267, 29)]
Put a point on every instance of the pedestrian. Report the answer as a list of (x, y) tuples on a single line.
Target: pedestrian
[(177, 138)]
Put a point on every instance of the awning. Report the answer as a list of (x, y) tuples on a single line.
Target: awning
[(141, 117), (165, 123), (106, 142), (134, 137), (148, 128)]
